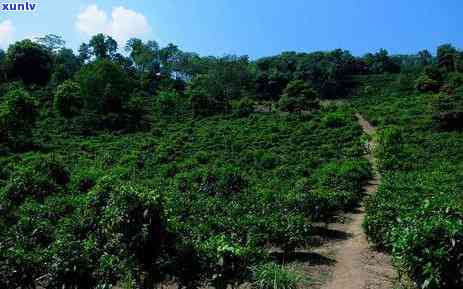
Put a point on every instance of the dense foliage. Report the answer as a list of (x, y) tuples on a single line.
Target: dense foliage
[(160, 165), (417, 214), (220, 190)]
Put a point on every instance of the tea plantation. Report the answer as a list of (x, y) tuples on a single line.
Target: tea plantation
[(195, 200)]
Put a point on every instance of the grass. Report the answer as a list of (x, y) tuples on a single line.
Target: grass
[(275, 276)]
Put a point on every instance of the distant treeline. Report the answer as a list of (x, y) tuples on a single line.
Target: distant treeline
[(102, 88)]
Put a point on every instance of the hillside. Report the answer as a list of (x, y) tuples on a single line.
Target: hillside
[(164, 168)]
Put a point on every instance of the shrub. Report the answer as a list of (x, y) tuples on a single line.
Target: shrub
[(423, 233), (227, 181), (298, 96), (68, 101), (168, 101), (335, 120), (429, 245), (426, 84), (369, 90), (244, 107), (41, 178), (138, 108), (346, 176), (389, 149), (406, 81), (18, 113), (433, 72), (206, 101), (448, 109), (455, 81)]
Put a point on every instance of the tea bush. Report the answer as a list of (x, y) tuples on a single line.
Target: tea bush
[(133, 208), (417, 214)]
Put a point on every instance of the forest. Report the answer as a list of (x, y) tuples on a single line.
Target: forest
[(142, 166)]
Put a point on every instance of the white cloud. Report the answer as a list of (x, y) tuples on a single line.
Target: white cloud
[(6, 33), (123, 25), (92, 21)]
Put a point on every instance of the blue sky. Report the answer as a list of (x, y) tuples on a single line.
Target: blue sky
[(253, 27)]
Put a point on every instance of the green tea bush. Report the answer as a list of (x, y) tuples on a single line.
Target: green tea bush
[(335, 120), (27, 182), (455, 81), (198, 203), (406, 82), (424, 235), (390, 149), (168, 101), (416, 215), (243, 107), (396, 194), (346, 176), (448, 109), (434, 259)]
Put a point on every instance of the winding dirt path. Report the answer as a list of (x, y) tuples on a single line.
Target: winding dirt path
[(358, 266)]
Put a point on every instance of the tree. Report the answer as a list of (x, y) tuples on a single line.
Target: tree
[(425, 57), (52, 42), (139, 106), (68, 101), (3, 67), (126, 63), (143, 55), (30, 62), (84, 53), (18, 112), (430, 80), (448, 110), (204, 100), (103, 46), (446, 57), (105, 86), (299, 96), (66, 65), (380, 63), (169, 56)]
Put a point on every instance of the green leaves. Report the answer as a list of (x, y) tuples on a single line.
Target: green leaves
[(417, 214), (68, 100), (199, 202)]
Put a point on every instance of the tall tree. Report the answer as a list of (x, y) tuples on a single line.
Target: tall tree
[(66, 65), (425, 57), (169, 56), (446, 57), (3, 75), (143, 55), (30, 62), (84, 53), (103, 46), (52, 42)]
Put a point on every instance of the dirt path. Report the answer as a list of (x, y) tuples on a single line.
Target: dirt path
[(358, 266)]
